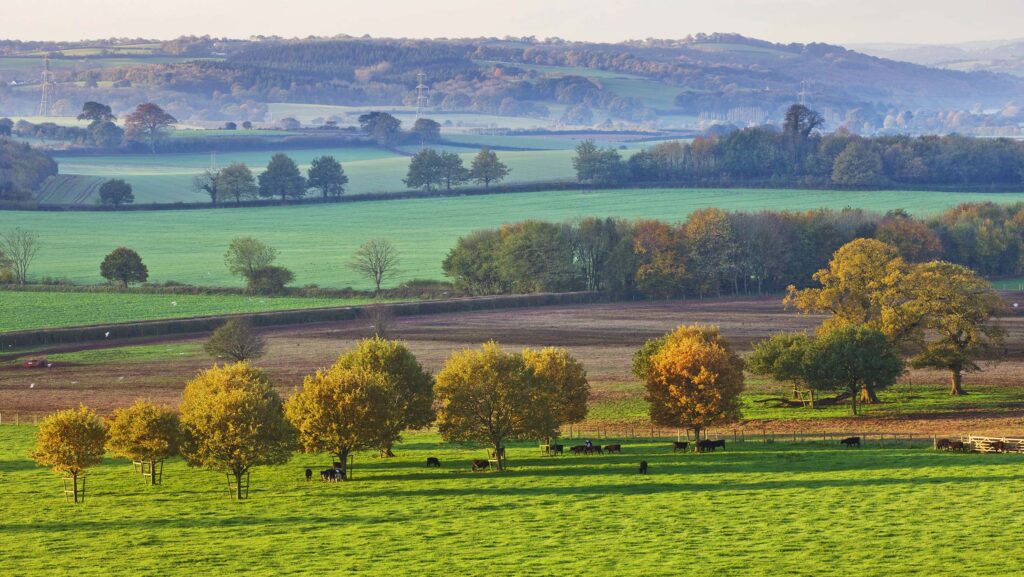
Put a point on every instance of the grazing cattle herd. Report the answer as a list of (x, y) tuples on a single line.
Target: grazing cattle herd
[(701, 446)]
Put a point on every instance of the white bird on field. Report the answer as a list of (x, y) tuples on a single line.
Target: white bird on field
[(120, 378), (32, 386), (174, 303), (106, 334)]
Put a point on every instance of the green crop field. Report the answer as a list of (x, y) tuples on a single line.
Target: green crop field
[(33, 310), (316, 241), (754, 509), (166, 178)]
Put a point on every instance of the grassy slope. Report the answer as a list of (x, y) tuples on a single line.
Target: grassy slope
[(168, 177), (316, 241), (32, 310), (752, 510)]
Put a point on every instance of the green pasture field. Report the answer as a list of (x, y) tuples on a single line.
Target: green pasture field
[(801, 509), (316, 241), (651, 92), (898, 401), (167, 178), (33, 310)]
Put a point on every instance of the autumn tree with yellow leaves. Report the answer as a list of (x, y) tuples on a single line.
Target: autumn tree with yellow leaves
[(958, 308), (341, 410), (490, 396), (232, 420), (410, 387), (71, 441), (569, 378), (144, 433)]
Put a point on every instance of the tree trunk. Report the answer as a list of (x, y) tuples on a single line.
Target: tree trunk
[(853, 401), (343, 457), (868, 396), (238, 485), (152, 472), (696, 443), (957, 382), (499, 456), (74, 483)]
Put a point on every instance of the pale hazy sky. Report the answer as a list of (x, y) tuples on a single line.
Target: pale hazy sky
[(834, 21)]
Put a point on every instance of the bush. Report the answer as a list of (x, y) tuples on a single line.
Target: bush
[(269, 280), (235, 340)]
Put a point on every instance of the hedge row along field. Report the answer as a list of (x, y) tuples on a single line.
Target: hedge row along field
[(315, 242), (754, 509), (36, 310)]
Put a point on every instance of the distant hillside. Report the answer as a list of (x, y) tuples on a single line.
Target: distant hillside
[(1006, 57), (705, 79)]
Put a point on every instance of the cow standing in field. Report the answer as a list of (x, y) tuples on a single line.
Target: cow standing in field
[(679, 446), (480, 465), (591, 449), (577, 449), (309, 474), (556, 449), (851, 442), (613, 448), (710, 446), (643, 467), (433, 462)]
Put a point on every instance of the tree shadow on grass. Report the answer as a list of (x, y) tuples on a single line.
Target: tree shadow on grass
[(648, 486)]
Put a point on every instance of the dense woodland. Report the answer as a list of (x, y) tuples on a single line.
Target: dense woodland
[(22, 170), (717, 252), (796, 156)]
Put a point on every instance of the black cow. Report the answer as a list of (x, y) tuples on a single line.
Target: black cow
[(613, 448), (851, 441), (710, 446), (433, 462), (999, 446), (330, 475), (643, 467), (480, 464), (309, 474), (679, 445), (943, 444), (593, 449), (577, 449), (556, 449)]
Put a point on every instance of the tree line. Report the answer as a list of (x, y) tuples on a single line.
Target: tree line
[(232, 419), (714, 252), (798, 155)]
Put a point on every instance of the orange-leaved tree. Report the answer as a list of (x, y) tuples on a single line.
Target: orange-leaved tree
[(693, 379)]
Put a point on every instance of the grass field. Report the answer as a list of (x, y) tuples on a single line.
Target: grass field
[(167, 178), (316, 241), (754, 509), (33, 310)]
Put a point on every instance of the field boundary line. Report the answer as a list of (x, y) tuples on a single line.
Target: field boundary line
[(11, 341)]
